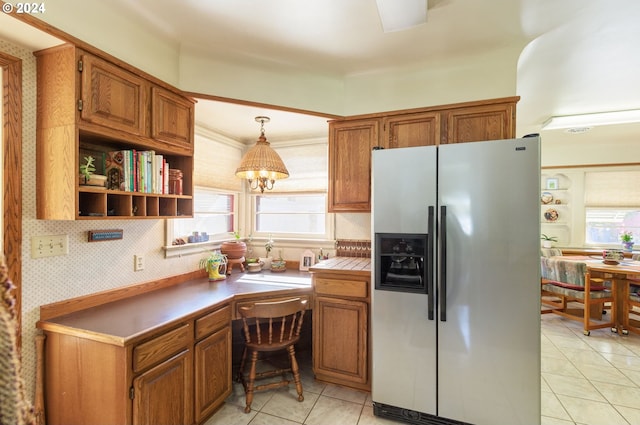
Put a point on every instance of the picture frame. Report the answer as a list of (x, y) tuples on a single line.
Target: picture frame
[(307, 259), (552, 183)]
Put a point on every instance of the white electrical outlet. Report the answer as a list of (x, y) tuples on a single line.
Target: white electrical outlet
[(49, 246), (138, 263)]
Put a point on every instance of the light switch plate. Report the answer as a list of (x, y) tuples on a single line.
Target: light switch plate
[(49, 246)]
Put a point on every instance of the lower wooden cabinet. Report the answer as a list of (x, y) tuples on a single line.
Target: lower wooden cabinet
[(341, 331), (174, 376), (212, 372), (163, 394), (340, 341)]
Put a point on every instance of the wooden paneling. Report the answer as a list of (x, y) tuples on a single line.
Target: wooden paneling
[(12, 175), (86, 372)]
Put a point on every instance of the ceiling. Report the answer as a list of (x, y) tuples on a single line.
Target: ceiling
[(578, 56)]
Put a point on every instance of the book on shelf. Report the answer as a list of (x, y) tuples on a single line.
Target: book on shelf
[(137, 171)]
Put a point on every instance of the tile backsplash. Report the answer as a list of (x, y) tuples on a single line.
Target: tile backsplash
[(353, 248)]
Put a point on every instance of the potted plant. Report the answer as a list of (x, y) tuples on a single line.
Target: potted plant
[(87, 173), (626, 238), (279, 265), (547, 241), (266, 261), (235, 249), (215, 265)]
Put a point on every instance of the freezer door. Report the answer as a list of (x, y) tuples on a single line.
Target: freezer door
[(403, 338), (489, 345)]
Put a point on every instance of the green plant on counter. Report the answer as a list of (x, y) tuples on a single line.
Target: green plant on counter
[(549, 238), (212, 260)]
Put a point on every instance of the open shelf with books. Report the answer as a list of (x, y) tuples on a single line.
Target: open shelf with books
[(138, 130)]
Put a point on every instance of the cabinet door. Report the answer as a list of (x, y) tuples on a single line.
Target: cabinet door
[(482, 122), (212, 372), (171, 118), (404, 131), (163, 394), (112, 97), (340, 347), (350, 145)]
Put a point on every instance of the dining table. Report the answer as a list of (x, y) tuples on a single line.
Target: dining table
[(625, 273)]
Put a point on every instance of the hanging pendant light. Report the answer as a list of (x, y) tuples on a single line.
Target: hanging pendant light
[(261, 166)]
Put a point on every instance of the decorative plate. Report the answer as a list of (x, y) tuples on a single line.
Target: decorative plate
[(551, 214), (546, 197)]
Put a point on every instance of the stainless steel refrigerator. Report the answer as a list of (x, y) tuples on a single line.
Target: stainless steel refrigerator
[(455, 314)]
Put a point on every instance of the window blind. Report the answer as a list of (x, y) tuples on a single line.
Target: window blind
[(612, 188), (215, 164), (307, 165)]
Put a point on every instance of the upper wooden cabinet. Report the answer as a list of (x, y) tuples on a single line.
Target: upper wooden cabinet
[(350, 145), (409, 130), (351, 140), (87, 105), (111, 96), (482, 122), (171, 117)]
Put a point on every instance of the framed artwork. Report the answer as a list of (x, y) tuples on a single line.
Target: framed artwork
[(307, 259), (552, 183)]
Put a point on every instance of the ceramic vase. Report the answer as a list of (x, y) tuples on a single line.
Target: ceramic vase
[(234, 250), (628, 246)]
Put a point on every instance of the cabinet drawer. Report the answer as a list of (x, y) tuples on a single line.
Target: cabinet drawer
[(342, 287), (213, 321), (160, 348)]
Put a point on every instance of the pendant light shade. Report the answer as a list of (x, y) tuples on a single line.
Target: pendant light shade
[(261, 166)]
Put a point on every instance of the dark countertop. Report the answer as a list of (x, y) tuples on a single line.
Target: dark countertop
[(122, 322)]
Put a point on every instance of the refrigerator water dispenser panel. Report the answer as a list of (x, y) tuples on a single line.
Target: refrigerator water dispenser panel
[(401, 262)]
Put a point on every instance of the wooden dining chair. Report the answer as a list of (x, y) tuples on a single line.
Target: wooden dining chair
[(269, 327)]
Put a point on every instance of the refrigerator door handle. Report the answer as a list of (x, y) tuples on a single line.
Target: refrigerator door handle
[(430, 260), (443, 264)]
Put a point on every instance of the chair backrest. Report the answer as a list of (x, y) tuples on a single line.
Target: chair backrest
[(275, 323), (550, 252)]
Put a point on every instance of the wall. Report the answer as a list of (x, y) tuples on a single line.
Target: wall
[(89, 267)]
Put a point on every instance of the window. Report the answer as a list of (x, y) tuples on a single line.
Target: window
[(612, 205), (291, 215), (214, 212), (604, 225)]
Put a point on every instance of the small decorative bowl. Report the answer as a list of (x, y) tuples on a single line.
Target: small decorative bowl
[(612, 256)]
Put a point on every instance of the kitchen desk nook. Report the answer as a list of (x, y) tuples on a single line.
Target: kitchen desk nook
[(164, 355)]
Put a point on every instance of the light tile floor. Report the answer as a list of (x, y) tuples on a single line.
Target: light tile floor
[(592, 380)]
